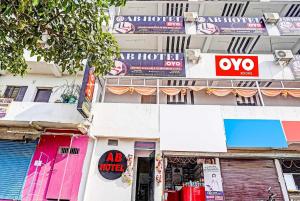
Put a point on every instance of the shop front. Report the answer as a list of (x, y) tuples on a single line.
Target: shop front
[(248, 177), (291, 167), (15, 157), (57, 167), (125, 166), (291, 173), (192, 179), (190, 174)]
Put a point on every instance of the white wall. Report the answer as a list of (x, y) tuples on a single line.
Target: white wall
[(47, 112), (35, 81), (192, 128), (144, 121), (101, 189), (86, 169), (267, 112), (130, 120)]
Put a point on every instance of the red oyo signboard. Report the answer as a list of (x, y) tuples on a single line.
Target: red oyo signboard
[(112, 164), (236, 65)]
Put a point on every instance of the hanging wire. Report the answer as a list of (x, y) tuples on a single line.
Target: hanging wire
[(290, 163), (182, 160), (287, 166), (295, 164)]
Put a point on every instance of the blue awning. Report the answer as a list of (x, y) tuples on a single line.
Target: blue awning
[(244, 133)]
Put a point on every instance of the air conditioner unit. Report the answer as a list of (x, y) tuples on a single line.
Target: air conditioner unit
[(193, 55), (190, 16), (271, 18), (283, 56)]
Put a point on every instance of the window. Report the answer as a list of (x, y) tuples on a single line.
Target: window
[(148, 99), (43, 95), (15, 92), (291, 173), (111, 142), (297, 181)]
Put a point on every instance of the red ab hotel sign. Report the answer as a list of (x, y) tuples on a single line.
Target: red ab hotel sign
[(236, 65)]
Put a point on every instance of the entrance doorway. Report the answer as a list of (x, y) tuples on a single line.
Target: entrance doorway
[(145, 179)]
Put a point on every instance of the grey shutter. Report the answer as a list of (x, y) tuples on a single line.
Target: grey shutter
[(246, 179), (15, 157)]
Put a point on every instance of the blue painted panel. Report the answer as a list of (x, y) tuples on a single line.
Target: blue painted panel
[(15, 157), (241, 133)]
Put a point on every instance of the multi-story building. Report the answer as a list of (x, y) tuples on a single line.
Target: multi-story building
[(42, 146), (201, 94), (202, 105)]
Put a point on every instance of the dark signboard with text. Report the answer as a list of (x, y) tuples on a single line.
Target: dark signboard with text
[(112, 164), (86, 92), (148, 25), (149, 64), (289, 26), (215, 25)]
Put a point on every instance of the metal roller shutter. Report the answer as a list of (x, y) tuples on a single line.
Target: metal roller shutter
[(15, 157), (246, 179)]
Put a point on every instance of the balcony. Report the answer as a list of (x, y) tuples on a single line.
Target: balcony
[(41, 115), (209, 34), (202, 92)]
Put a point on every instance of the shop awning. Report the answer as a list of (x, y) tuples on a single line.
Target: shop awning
[(292, 131), (191, 128), (242, 133)]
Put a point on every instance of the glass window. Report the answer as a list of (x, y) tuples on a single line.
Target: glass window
[(297, 181), (43, 95), (15, 92)]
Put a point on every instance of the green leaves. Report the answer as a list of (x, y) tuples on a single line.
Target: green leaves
[(63, 32), (35, 2)]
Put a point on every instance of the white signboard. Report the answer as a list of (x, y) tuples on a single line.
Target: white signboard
[(213, 182), (265, 67)]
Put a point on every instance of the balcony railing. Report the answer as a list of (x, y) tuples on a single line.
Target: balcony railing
[(203, 92)]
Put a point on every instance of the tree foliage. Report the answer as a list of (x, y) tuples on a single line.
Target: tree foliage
[(64, 32)]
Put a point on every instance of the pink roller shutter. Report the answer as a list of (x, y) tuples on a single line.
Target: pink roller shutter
[(66, 172)]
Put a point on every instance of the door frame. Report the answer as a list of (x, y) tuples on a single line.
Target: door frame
[(138, 152)]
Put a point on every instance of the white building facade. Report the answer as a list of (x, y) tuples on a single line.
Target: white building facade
[(202, 105), (200, 80)]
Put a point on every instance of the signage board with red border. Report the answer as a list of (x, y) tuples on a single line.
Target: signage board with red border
[(237, 65), (112, 164), (86, 92)]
